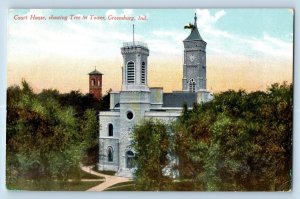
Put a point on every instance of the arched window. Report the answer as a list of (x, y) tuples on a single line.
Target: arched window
[(143, 73), (110, 130), (93, 82), (99, 83), (130, 73), (192, 85), (110, 155), (129, 159)]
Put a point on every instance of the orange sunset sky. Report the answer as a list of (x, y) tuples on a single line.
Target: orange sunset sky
[(242, 52)]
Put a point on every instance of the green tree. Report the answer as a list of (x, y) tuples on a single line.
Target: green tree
[(226, 159), (89, 136), (43, 138), (86, 110), (271, 161), (238, 141), (151, 143)]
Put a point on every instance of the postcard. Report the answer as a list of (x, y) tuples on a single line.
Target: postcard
[(149, 99)]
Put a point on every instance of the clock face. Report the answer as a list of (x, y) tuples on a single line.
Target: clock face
[(192, 57)]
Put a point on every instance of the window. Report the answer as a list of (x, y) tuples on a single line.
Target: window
[(93, 82), (129, 159), (192, 85), (129, 115), (143, 73), (110, 155), (110, 130), (130, 73), (99, 83)]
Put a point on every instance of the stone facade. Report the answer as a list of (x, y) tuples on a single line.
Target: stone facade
[(136, 101), (194, 68)]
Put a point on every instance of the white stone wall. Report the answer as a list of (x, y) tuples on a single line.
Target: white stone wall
[(166, 117), (104, 163), (109, 117), (204, 96), (156, 98), (136, 102), (114, 99), (105, 141)]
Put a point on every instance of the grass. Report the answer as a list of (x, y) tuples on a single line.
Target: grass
[(123, 186), (32, 185), (184, 186), (176, 186), (86, 175), (111, 173), (74, 184)]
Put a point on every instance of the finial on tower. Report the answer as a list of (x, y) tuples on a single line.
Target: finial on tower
[(95, 68), (195, 24), (133, 33)]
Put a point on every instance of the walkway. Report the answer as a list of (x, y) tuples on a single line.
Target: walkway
[(109, 180)]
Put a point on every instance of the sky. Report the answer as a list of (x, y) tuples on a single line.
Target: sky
[(246, 49)]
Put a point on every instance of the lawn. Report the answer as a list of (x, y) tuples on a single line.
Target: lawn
[(85, 175), (111, 173), (176, 186), (32, 185), (123, 186), (74, 184)]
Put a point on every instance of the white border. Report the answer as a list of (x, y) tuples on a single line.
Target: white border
[(6, 4)]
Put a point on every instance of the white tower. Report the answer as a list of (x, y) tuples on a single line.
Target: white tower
[(134, 99), (134, 70)]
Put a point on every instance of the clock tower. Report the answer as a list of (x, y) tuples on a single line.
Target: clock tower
[(194, 67)]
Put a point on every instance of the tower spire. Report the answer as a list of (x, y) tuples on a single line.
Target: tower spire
[(133, 33), (195, 23)]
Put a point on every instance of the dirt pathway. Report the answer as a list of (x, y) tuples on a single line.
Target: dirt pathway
[(109, 180)]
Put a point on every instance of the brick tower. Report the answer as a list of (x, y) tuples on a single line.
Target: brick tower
[(95, 84)]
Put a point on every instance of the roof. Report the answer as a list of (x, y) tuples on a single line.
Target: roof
[(195, 35), (179, 99), (95, 72)]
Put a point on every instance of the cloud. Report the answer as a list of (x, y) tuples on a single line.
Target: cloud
[(265, 47), (161, 33), (270, 46), (86, 38), (207, 19), (170, 40), (234, 45), (64, 39), (76, 45), (163, 47), (206, 22), (169, 35)]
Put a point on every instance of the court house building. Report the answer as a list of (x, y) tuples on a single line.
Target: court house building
[(136, 101)]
